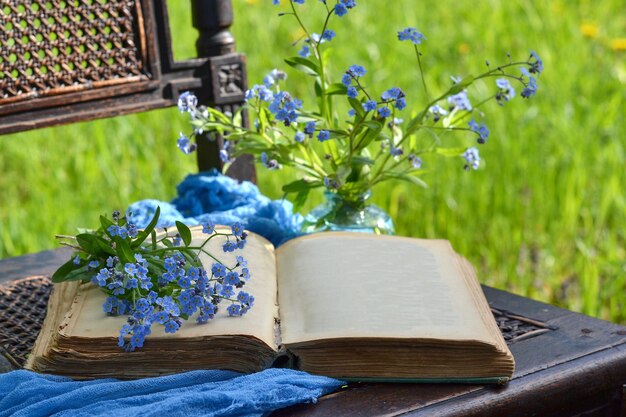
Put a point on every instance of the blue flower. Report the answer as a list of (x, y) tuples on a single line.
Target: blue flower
[(481, 130), (243, 297), (323, 135), (245, 273), (411, 34), (328, 35), (208, 227), (472, 158), (161, 317), (185, 145), (416, 161), (229, 246), (400, 103), (369, 105), (460, 101), (393, 93), (346, 80), (93, 264), (352, 92), (506, 91), (438, 112), (357, 71), (275, 2), (112, 261), (269, 163), (177, 240), (341, 9), (76, 260), (231, 278), (218, 270), (384, 111), (396, 151), (226, 291), (130, 269), (241, 261), (101, 277), (309, 129), (250, 94), (305, 52), (169, 263), (187, 102), (530, 89), (265, 94), (536, 66), (237, 229), (171, 326), (234, 310), (300, 137), (184, 282)]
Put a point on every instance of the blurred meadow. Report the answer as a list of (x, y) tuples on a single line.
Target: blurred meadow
[(545, 216)]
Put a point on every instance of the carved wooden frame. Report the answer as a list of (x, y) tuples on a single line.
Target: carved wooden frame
[(217, 77)]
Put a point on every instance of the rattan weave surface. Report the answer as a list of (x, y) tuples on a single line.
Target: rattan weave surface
[(23, 306), (50, 47)]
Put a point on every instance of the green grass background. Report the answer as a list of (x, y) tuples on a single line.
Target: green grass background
[(545, 217)]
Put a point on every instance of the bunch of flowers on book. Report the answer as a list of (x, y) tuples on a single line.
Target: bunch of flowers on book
[(158, 277), (386, 134)]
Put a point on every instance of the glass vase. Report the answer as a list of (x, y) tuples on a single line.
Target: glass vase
[(355, 214)]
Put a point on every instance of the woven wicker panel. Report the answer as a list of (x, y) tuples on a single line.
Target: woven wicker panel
[(50, 47), (23, 306)]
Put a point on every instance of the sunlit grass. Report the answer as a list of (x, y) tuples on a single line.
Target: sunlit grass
[(545, 217)]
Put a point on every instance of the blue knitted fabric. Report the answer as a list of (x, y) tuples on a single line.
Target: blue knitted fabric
[(197, 393), (223, 200)]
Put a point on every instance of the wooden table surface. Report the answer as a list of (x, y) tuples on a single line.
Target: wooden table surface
[(576, 368)]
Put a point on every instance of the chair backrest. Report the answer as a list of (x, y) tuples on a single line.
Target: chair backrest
[(63, 61)]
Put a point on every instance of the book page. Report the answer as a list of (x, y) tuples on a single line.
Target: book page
[(338, 285), (87, 319)]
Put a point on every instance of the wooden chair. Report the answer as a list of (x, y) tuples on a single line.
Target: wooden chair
[(71, 60), (65, 61)]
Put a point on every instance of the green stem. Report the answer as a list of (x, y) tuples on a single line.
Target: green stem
[(419, 63)]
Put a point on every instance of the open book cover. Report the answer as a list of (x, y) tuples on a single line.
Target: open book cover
[(347, 305)]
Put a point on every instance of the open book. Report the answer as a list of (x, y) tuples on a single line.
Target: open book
[(346, 305)]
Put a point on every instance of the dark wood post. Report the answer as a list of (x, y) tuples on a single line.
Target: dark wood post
[(213, 19)]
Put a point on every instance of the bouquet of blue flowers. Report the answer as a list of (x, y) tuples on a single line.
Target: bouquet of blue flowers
[(157, 277), (385, 134)]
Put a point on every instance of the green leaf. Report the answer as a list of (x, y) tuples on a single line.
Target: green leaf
[(105, 224), (124, 252), (300, 185), (363, 160), (82, 273), (414, 123), (88, 243), (342, 173), (457, 88), (154, 240), (300, 199), (64, 270), (357, 106), (146, 232), (373, 124), (405, 177), (304, 65), (184, 232), (336, 89)]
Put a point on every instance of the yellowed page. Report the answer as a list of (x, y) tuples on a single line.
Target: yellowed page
[(86, 319), (338, 285)]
